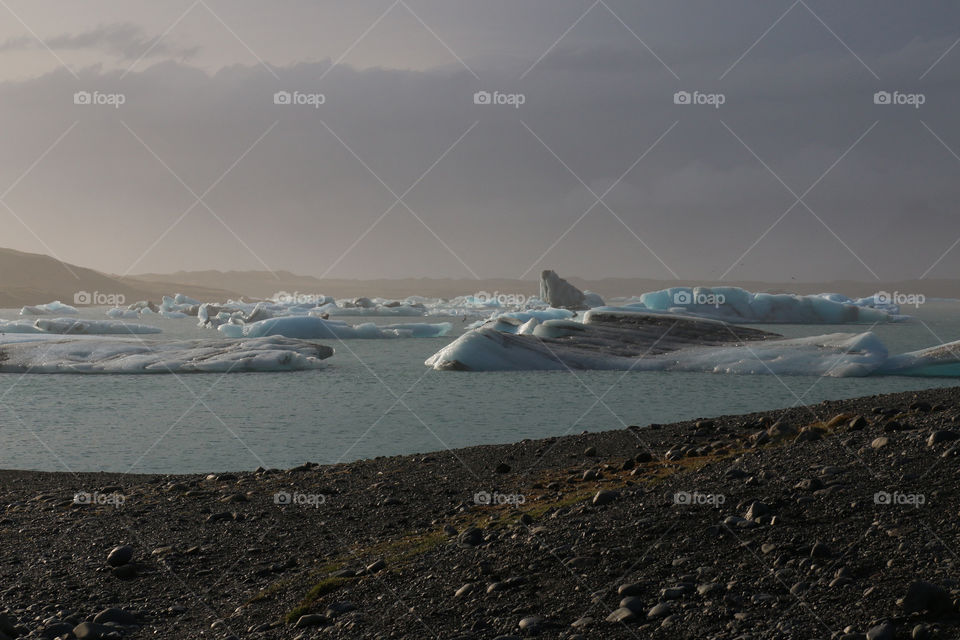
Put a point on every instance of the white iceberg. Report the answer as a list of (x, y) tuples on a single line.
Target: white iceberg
[(734, 304), (50, 308), (91, 327), (45, 354), (314, 328), (74, 326), (665, 342)]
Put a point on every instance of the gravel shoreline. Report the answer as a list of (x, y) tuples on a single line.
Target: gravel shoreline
[(837, 520)]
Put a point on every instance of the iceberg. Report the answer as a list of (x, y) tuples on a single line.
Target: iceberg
[(91, 327), (50, 308), (74, 326), (46, 354), (560, 293), (643, 341), (734, 304), (314, 328)]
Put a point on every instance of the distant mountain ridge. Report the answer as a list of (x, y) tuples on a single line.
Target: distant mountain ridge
[(30, 278), (264, 284)]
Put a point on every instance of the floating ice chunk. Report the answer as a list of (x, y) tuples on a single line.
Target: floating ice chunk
[(50, 308), (374, 311), (738, 305), (832, 355), (18, 326), (939, 361), (117, 312), (528, 327), (182, 299), (560, 293), (591, 299), (313, 328), (668, 342), (46, 354), (91, 327), (512, 320)]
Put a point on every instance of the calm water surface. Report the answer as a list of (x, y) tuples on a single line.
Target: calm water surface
[(377, 398)]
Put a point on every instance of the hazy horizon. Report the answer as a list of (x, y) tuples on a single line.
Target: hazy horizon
[(595, 167)]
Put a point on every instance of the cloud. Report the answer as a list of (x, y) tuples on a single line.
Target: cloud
[(304, 188), (125, 40)]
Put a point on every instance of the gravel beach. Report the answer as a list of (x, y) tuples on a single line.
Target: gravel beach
[(837, 520)]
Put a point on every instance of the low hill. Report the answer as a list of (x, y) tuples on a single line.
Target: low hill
[(30, 278)]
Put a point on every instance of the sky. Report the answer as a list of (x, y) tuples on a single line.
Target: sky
[(760, 140)]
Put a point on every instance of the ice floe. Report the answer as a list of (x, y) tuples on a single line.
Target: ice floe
[(55, 307), (643, 341), (48, 354), (734, 304), (74, 326), (314, 328)]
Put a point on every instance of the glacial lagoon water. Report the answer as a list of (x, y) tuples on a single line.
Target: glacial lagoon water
[(377, 398)]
